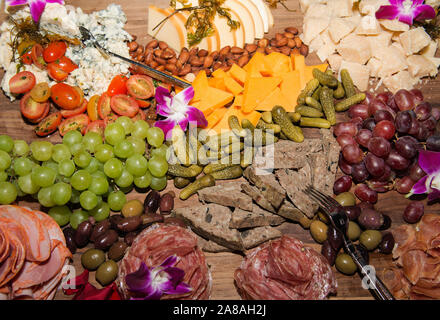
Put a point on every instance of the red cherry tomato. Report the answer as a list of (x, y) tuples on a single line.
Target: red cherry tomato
[(54, 50), (96, 126), (110, 118), (143, 103), (26, 58), (44, 115), (22, 82), (104, 108), (49, 124), (140, 86), (66, 64), (76, 111), (37, 56), (124, 105), (118, 85), (78, 122), (140, 116), (31, 109), (92, 108), (65, 96), (56, 73)]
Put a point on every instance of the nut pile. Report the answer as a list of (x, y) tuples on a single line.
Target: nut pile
[(158, 55)]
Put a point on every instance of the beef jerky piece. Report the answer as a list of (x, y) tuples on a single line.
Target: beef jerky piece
[(255, 218), (294, 183), (226, 194), (254, 237), (290, 212), (269, 187), (210, 246), (256, 195), (211, 221)]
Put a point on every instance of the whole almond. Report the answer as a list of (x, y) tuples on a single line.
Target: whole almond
[(243, 60), (304, 50), (195, 61), (272, 43), (157, 53), (250, 47), (173, 60), (185, 70), (193, 51), (140, 49), (202, 53), (168, 54), (282, 42), (148, 57), (291, 43), (298, 42), (263, 43), (279, 36), (288, 35), (261, 50), (154, 64), (208, 62), (225, 50), (295, 52), (285, 50), (214, 55), (217, 65), (160, 61), (292, 30), (269, 50), (152, 44), (140, 58), (237, 50), (132, 46), (226, 68), (183, 57), (179, 65), (160, 68), (170, 67), (163, 45)]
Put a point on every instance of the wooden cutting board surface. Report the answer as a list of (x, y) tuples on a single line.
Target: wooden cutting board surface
[(223, 264)]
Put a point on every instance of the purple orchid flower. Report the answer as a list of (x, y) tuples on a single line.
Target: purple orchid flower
[(151, 284), (36, 6), (429, 161), (177, 111), (406, 11)]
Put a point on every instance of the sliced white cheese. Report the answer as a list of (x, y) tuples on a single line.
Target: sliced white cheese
[(335, 61), (369, 7), (316, 43), (401, 80), (394, 25), (414, 40), (210, 43), (420, 66), (392, 60), (270, 15), (369, 26), (328, 48), (429, 50), (313, 27), (339, 28), (354, 48), (340, 8), (375, 66), (359, 73), (263, 13), (255, 16), (229, 37), (169, 31)]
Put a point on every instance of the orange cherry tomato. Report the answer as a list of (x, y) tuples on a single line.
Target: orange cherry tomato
[(92, 108), (54, 50), (78, 122), (26, 58), (143, 103), (124, 105), (65, 96), (110, 118), (44, 115), (96, 126), (104, 108), (56, 73), (140, 116), (49, 124), (22, 82), (37, 56), (140, 86), (76, 111), (30, 109), (118, 85)]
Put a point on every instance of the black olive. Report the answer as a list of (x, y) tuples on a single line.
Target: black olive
[(334, 238), (328, 252), (69, 234), (386, 222), (352, 212), (387, 244), (151, 202), (82, 234)]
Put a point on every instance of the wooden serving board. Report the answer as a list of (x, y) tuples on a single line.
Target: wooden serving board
[(224, 264)]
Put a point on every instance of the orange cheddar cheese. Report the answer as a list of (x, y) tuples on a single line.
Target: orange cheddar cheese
[(219, 73), (291, 88), (276, 98), (232, 86), (256, 90), (257, 64), (238, 74), (218, 83), (214, 99), (253, 116), (216, 116), (308, 71), (223, 124), (200, 85), (278, 63), (238, 101)]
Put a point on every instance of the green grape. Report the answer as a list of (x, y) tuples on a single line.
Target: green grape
[(98, 175), (100, 212), (61, 152), (3, 176), (144, 181), (104, 152), (82, 159), (45, 197), (124, 149), (72, 137), (155, 136), (21, 148), (113, 168), (158, 166), (116, 200), (76, 148), (8, 192), (5, 160), (66, 168), (160, 152), (81, 180), (128, 189), (41, 150), (139, 145), (126, 123), (75, 196), (20, 192), (77, 217), (93, 166), (158, 183), (140, 129), (114, 133), (43, 176), (50, 164), (26, 184), (88, 200), (60, 214), (22, 166), (137, 165), (61, 193), (91, 140), (6, 143), (99, 186), (125, 179)]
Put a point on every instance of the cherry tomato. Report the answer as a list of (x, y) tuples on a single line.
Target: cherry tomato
[(92, 108), (26, 58), (56, 73), (110, 118), (31, 109), (96, 126), (76, 111), (81, 94), (118, 85), (66, 64), (104, 108), (37, 56), (65, 96), (25, 46), (124, 105), (140, 86), (22, 82), (54, 51), (139, 116), (48, 124), (44, 115), (78, 122), (40, 92), (143, 103)]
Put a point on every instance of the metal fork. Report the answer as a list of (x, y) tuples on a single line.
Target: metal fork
[(87, 36), (339, 221)]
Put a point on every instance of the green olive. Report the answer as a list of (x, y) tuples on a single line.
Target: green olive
[(370, 239), (346, 199), (107, 272), (318, 229), (353, 231), (132, 208), (345, 264), (323, 217), (92, 259)]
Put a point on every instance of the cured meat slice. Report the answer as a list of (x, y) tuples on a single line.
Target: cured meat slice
[(55, 233), (37, 239), (15, 261), (156, 243), (4, 243), (284, 269)]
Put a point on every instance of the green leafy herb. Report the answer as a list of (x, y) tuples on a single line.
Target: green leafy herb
[(273, 4), (432, 27)]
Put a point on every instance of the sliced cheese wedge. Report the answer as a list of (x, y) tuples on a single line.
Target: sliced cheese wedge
[(216, 116), (262, 9), (171, 30), (256, 90), (291, 88), (256, 18), (247, 23), (200, 85), (276, 98), (213, 99), (270, 15)]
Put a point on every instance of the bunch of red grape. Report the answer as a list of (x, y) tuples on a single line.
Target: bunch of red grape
[(381, 142)]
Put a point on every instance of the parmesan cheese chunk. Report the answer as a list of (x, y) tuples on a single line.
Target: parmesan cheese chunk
[(328, 48), (369, 26), (369, 7), (374, 65), (430, 50), (313, 27), (401, 80), (354, 48), (414, 40), (335, 61), (394, 25), (392, 60), (381, 40), (359, 73), (318, 10), (340, 8), (420, 66), (339, 28)]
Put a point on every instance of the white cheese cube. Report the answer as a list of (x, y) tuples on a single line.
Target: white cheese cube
[(354, 48), (374, 65), (401, 80), (369, 26), (420, 66), (313, 27), (359, 73), (392, 60), (369, 7), (394, 25), (335, 61), (414, 40), (316, 43), (340, 8), (430, 50), (383, 39), (305, 4), (339, 28), (318, 10)]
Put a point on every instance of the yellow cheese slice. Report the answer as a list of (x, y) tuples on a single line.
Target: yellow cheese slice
[(200, 85), (247, 22), (238, 74), (223, 124), (219, 73), (232, 86), (207, 43), (213, 99), (263, 13), (291, 88), (278, 63), (269, 14), (256, 90), (276, 98), (170, 31), (216, 116), (256, 18)]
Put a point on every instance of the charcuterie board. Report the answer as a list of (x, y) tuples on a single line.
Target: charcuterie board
[(223, 265)]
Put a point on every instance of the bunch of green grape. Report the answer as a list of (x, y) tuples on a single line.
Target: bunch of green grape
[(90, 172)]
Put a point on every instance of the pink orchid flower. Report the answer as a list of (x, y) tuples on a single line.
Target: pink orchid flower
[(177, 111), (151, 284), (36, 6), (406, 11), (429, 161)]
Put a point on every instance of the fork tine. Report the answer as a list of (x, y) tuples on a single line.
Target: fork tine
[(318, 197)]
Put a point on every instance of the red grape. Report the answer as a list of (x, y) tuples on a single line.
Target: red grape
[(385, 97), (376, 105), (423, 132), (407, 147), (423, 111), (359, 172), (416, 173), (414, 212), (368, 98), (436, 113), (383, 115), (403, 121), (345, 139), (369, 124), (343, 165), (433, 143), (363, 137), (415, 125), (379, 146), (345, 127), (358, 122), (365, 205), (430, 123), (375, 165), (404, 185), (343, 184), (365, 194), (396, 161), (352, 212), (417, 94), (404, 100), (379, 186), (352, 154), (392, 104), (359, 110), (385, 129), (387, 175)]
